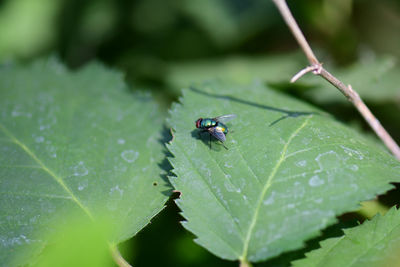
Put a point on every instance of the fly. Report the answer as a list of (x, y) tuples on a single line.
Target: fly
[(215, 126)]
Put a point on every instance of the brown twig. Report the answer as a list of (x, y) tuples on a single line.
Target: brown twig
[(316, 68)]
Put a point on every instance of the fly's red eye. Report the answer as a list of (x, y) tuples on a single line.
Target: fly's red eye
[(198, 122)]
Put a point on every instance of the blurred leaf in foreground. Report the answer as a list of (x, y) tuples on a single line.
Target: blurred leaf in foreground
[(289, 171), (78, 243), (74, 142)]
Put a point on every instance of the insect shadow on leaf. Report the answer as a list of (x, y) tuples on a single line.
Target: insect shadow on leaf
[(287, 113), (208, 139)]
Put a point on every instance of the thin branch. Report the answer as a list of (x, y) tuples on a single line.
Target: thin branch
[(316, 68), (303, 72)]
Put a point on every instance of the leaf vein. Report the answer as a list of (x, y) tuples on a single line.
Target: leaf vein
[(267, 186), (248, 166), (45, 168)]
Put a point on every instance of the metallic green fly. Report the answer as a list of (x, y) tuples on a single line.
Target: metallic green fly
[(215, 126)]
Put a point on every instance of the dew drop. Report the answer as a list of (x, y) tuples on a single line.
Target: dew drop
[(130, 155), (354, 167), (315, 181), (39, 139), (80, 169), (116, 190), (229, 187), (353, 152), (301, 163), (82, 185), (270, 200), (121, 141), (228, 165), (318, 200)]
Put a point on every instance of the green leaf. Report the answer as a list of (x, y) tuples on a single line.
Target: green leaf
[(290, 169), (74, 142), (374, 243)]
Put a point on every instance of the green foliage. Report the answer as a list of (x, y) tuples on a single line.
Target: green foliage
[(290, 169), (27, 27), (243, 70), (75, 143), (233, 18), (375, 79), (374, 243)]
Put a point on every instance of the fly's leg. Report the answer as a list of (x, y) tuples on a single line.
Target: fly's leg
[(210, 142), (224, 146)]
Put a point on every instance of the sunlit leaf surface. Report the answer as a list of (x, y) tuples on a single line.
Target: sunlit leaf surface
[(290, 169)]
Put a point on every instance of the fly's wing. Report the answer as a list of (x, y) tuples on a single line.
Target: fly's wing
[(217, 133), (225, 118)]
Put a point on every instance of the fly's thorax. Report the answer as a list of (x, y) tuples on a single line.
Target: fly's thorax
[(207, 123)]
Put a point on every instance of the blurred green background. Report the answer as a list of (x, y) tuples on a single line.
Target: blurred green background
[(163, 45)]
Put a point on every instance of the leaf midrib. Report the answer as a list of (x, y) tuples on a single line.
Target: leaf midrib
[(46, 169), (266, 187)]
